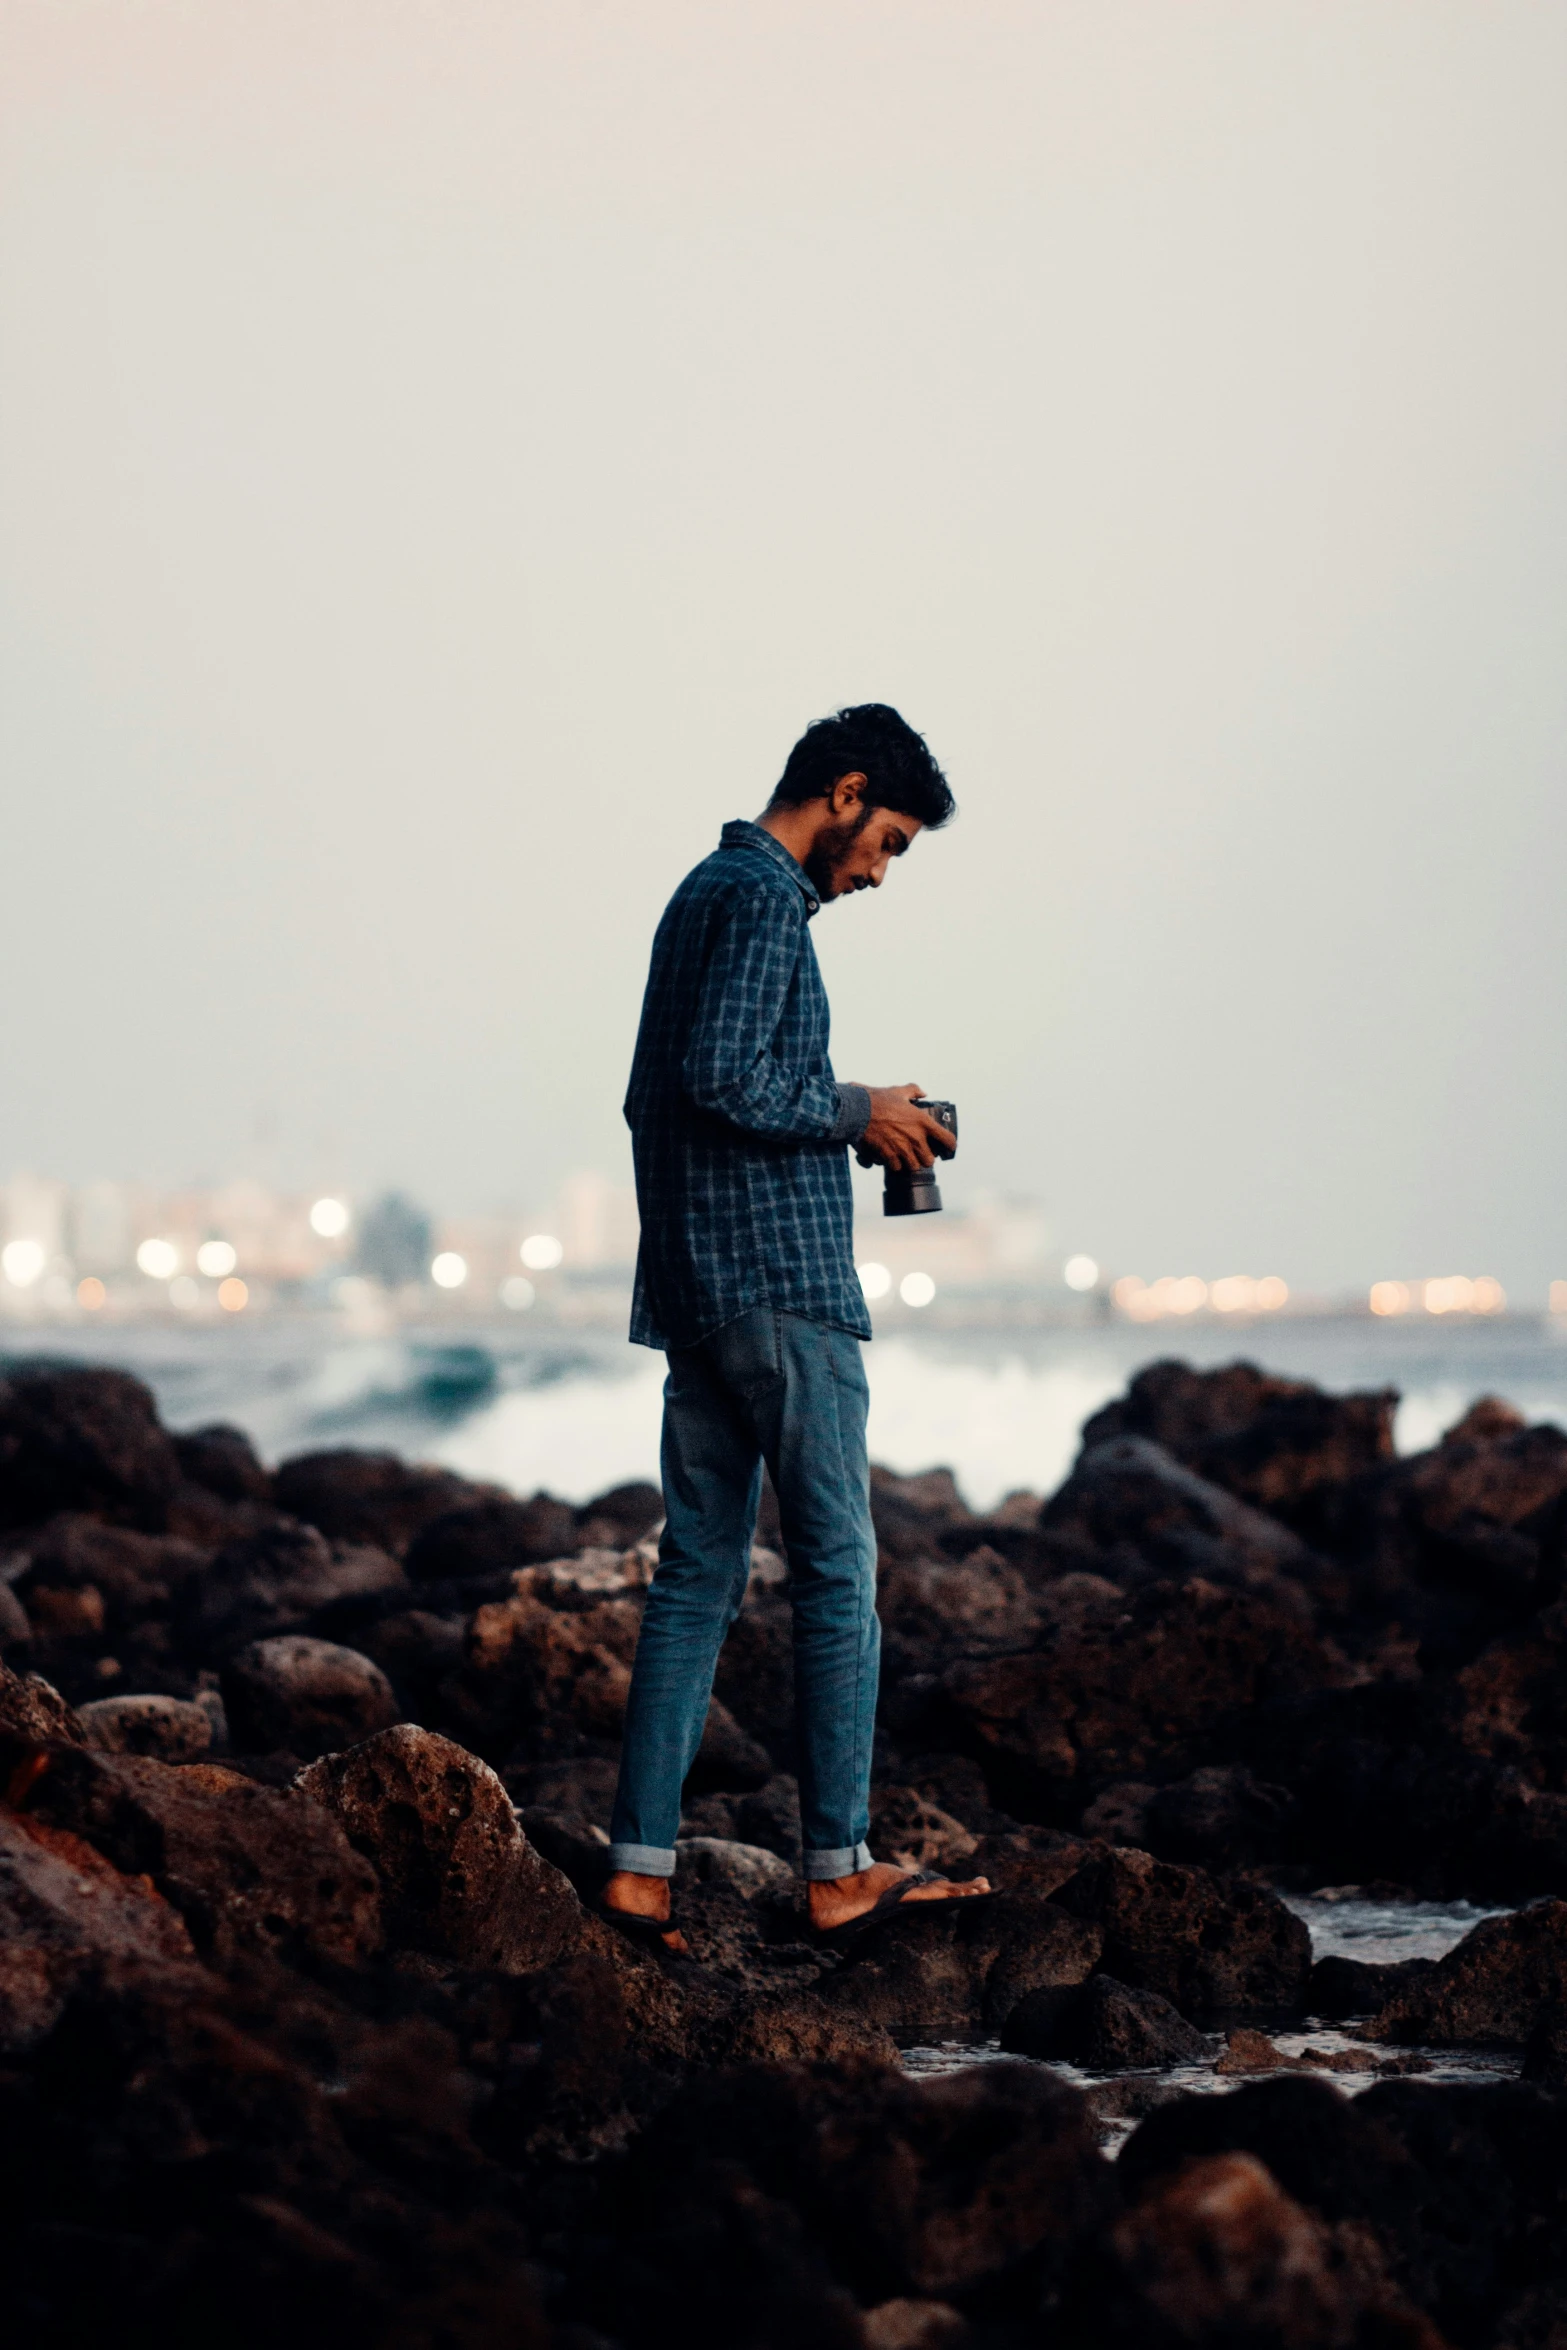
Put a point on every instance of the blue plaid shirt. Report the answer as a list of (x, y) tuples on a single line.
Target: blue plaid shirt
[(738, 1126)]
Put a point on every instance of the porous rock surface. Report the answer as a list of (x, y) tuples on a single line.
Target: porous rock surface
[(308, 2034)]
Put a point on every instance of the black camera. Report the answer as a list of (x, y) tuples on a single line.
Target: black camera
[(915, 1191)]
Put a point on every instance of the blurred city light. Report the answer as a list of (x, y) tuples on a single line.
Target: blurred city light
[(875, 1280), (1080, 1272), (1559, 1297), (518, 1292), (184, 1293), (1489, 1296), (23, 1261), (158, 1259), (916, 1289), (1390, 1297), (1272, 1293), (541, 1252), (1234, 1293), (91, 1293), (215, 1258), (233, 1296), (449, 1270), (329, 1219)]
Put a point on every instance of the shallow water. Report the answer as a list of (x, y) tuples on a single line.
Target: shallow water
[(1342, 1923)]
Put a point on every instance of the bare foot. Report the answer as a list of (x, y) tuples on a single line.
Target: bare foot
[(643, 1897), (835, 1900)]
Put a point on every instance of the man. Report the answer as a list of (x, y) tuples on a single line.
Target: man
[(745, 1276)]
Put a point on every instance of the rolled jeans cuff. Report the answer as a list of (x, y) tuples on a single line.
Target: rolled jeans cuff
[(847, 1861), (643, 1860)]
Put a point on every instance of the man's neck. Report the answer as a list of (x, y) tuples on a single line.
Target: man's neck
[(794, 829)]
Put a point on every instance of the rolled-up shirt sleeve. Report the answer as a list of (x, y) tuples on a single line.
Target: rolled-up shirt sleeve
[(730, 1067)]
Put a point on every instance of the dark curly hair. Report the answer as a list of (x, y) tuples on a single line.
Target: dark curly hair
[(870, 740)]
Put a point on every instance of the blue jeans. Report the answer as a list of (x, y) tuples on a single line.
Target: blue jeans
[(766, 1387)]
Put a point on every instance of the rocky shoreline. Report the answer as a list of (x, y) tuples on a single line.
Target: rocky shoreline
[(306, 2034)]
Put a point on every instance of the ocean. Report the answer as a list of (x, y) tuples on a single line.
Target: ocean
[(535, 1404)]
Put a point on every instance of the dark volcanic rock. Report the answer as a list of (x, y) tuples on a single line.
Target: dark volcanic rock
[(33, 1713), (537, 1678), (1276, 1443), (491, 1537), (78, 1439), (1130, 1510), (274, 1582), (370, 1497), (1105, 2027), (459, 1878), (1545, 2050), (785, 2189), (224, 1460), (1491, 1990), (1214, 1948), (1221, 2254), (1154, 1693), (1220, 1818), (65, 1915), (728, 1758), (1350, 1986), (625, 1514), (304, 1697), (1442, 2179), (172, 1729), (957, 1970), (250, 1869)]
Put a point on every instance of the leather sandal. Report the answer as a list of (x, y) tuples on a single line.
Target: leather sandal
[(882, 1911)]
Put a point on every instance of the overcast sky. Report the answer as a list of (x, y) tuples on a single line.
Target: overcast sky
[(448, 452)]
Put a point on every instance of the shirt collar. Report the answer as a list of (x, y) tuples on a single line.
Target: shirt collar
[(741, 833)]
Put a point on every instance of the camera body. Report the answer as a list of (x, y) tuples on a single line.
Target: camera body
[(915, 1191)]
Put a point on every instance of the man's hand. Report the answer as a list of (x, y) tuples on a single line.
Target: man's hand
[(899, 1135)]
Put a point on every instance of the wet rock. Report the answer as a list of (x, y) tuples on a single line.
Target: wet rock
[(1220, 1818), (302, 1696), (1491, 1990), (251, 1869), (78, 1439), (171, 1729), (370, 1497), (1105, 2027), (491, 1537), (1545, 2050), (1351, 1986), (942, 1970), (223, 1459), (271, 1583), (1213, 1948), (1162, 1690), (933, 1608), (1221, 2254), (66, 1916), (458, 1877)]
